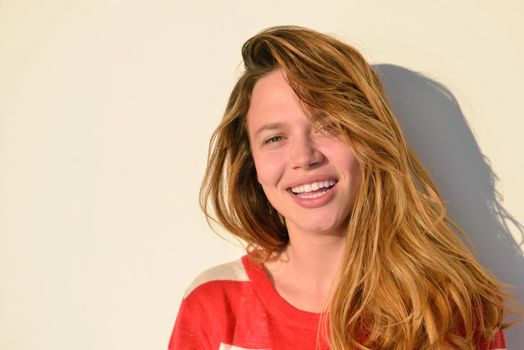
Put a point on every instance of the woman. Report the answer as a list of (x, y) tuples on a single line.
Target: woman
[(349, 243)]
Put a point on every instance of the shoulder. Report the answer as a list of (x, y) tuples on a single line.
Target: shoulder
[(497, 343), (219, 276), (217, 302), (209, 306)]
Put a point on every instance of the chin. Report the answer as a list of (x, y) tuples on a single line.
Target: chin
[(323, 228)]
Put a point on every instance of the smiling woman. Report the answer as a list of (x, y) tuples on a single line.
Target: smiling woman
[(298, 166), (349, 243)]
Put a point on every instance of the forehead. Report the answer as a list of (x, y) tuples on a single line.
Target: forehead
[(272, 88), (272, 97)]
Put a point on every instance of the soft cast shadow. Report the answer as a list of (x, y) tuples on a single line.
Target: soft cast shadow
[(438, 132)]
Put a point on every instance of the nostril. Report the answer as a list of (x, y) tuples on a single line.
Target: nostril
[(306, 158)]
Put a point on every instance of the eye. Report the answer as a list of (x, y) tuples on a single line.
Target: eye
[(328, 129), (272, 139)]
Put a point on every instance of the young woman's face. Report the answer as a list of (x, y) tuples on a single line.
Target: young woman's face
[(309, 173)]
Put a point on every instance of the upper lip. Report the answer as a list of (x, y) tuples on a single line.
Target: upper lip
[(311, 179)]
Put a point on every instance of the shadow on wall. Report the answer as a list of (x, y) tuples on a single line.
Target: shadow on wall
[(438, 132)]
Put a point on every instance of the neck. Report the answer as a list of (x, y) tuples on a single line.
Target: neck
[(312, 259)]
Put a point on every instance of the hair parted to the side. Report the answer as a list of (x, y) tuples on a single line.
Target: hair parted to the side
[(406, 279)]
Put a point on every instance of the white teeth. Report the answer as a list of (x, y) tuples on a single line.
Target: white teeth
[(311, 195), (314, 186)]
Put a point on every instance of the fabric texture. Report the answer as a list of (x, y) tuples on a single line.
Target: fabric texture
[(235, 307)]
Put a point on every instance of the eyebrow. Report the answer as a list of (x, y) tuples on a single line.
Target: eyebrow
[(269, 126)]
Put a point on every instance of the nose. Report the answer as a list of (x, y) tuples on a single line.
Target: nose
[(305, 154)]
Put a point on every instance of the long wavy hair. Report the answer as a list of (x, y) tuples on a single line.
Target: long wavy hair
[(406, 280)]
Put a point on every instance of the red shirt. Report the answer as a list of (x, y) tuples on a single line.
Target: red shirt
[(235, 307)]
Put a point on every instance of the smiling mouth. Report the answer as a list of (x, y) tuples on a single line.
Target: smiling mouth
[(313, 190)]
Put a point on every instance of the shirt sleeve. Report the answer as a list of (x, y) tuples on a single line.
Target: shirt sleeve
[(183, 336), (497, 343)]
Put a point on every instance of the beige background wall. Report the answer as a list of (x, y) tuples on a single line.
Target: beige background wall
[(106, 108)]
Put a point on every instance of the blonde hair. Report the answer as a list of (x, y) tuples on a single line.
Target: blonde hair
[(406, 279)]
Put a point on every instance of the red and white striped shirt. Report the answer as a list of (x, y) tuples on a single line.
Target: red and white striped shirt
[(235, 307)]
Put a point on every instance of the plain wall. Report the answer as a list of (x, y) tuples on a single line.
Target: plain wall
[(106, 109)]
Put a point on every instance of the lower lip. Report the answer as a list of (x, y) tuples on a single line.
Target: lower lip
[(314, 202)]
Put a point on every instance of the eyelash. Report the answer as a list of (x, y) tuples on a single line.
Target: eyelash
[(328, 129), (272, 139)]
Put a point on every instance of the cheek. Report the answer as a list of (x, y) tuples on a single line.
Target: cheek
[(353, 167), (269, 168), (345, 159)]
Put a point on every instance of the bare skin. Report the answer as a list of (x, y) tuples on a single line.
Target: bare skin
[(303, 273), (293, 157)]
